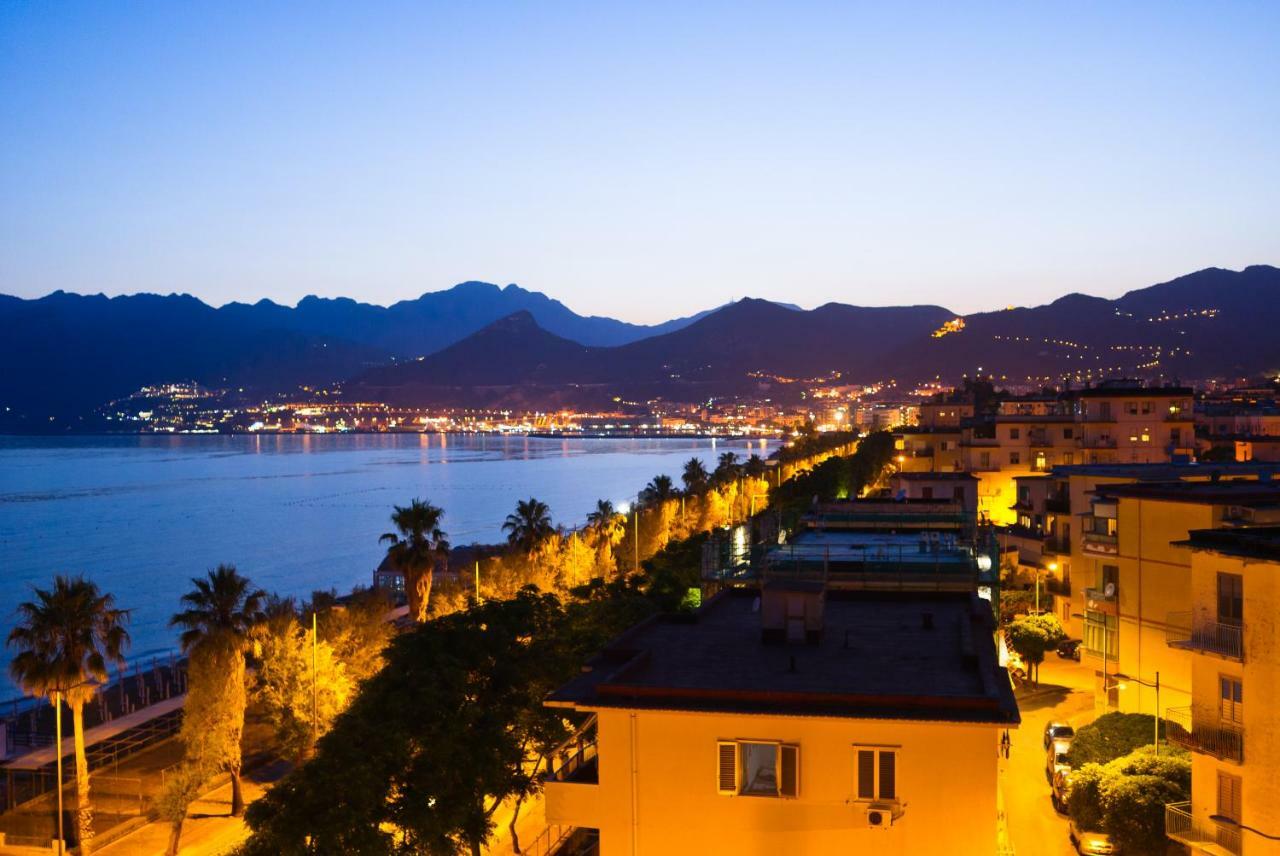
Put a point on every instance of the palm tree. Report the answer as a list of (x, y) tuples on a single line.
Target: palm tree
[(529, 525), (695, 476), (658, 491), (755, 467), (65, 638), (604, 522), (221, 613), (415, 546), (727, 467)]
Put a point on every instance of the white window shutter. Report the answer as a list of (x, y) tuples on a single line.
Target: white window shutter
[(726, 767)]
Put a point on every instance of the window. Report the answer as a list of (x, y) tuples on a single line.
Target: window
[(957, 492), (1231, 599), (760, 768), (1068, 433), (1015, 458), (926, 493), (1111, 579), (1131, 407), (1068, 458), (1230, 699), (1014, 433), (1146, 408), (1229, 796), (1175, 436), (877, 773), (1101, 634), (984, 460)]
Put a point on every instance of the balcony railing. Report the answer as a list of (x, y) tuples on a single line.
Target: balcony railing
[(576, 759), (1181, 826), (1096, 442), (1058, 504), (1099, 594), (1219, 739), (1057, 586), (1196, 633), (1098, 542)]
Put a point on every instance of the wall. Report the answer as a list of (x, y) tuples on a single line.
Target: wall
[(678, 810)]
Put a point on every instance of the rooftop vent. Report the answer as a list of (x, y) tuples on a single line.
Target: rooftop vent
[(791, 612)]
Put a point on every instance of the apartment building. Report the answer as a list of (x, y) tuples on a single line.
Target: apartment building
[(1230, 725), (789, 718), (1138, 579), (1114, 423)]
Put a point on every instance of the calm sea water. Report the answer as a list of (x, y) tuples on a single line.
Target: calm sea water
[(142, 515)]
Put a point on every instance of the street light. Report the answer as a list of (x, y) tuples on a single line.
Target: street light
[(1122, 684), (1231, 821)]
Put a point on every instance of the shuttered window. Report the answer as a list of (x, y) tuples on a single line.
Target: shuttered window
[(727, 767), (877, 772), (1229, 796), (757, 768)]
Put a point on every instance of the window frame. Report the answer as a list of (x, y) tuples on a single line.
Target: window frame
[(878, 751), (781, 748)]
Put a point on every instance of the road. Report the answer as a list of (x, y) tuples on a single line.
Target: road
[(1065, 693)]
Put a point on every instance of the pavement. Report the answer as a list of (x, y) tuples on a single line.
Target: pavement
[(1065, 693)]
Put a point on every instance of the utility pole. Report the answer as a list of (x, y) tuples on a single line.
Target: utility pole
[(635, 532), (1156, 718), (477, 580), (57, 718), (314, 688)]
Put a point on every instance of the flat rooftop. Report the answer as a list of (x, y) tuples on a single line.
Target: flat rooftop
[(1166, 472), (852, 545), (1250, 492), (878, 657), (1256, 542)]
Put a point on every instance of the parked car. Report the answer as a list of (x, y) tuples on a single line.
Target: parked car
[(1055, 760), (1058, 730), (1069, 649), (1090, 843), (1058, 792)]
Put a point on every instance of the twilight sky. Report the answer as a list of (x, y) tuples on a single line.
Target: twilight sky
[(644, 160)]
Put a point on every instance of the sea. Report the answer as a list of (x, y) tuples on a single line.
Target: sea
[(143, 514)]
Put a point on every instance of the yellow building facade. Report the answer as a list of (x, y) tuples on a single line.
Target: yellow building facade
[(1230, 724), (792, 720)]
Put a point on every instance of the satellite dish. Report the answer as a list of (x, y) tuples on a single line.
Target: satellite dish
[(1110, 590)]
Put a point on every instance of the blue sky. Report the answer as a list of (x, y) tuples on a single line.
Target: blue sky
[(641, 160)]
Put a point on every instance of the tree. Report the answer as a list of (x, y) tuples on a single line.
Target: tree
[(727, 468), (755, 467), (452, 728), (1126, 797), (358, 632), (220, 614), (606, 526), (181, 788), (299, 701), (528, 525), (658, 490), (414, 548), (1032, 635), (1112, 736), (65, 639), (695, 477)]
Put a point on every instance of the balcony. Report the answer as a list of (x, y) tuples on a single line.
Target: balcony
[(1058, 504), (1057, 545), (1204, 636), (1200, 836), (572, 785), (1197, 733), (1100, 543), (1039, 439), (1096, 442)]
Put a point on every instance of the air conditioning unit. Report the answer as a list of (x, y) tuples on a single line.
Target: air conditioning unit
[(879, 816)]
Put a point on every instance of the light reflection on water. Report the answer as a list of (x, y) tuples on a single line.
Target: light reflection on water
[(142, 515)]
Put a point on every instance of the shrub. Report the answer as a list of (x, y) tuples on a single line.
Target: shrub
[(1111, 736)]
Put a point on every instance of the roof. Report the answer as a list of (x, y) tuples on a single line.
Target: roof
[(875, 659), (1134, 392), (1258, 542), (938, 476), (1167, 471), (1249, 492)]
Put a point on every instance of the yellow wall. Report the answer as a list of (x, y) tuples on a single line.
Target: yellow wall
[(674, 807), (1260, 678)]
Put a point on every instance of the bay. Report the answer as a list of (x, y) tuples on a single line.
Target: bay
[(141, 515)]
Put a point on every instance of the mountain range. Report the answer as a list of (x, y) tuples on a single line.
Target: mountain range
[(481, 345)]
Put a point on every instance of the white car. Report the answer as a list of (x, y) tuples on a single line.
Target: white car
[(1055, 760), (1091, 843)]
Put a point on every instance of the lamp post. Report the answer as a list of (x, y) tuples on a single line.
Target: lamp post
[(1231, 821), (314, 687), (635, 533)]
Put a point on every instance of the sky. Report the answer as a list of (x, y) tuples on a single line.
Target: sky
[(640, 160)]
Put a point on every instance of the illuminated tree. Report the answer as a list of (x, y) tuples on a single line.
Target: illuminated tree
[(1033, 635), (658, 491), (65, 638), (755, 467), (727, 468), (182, 787), (300, 687), (220, 614), (414, 548)]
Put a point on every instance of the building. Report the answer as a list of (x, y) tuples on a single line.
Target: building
[(1230, 725), (789, 718), (1138, 579)]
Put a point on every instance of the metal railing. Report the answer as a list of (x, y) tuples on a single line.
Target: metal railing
[(1194, 632), (1220, 739), (1099, 594), (575, 759), (1058, 504), (1180, 825), (1096, 442)]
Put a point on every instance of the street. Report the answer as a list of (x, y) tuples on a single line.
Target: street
[(1065, 693)]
